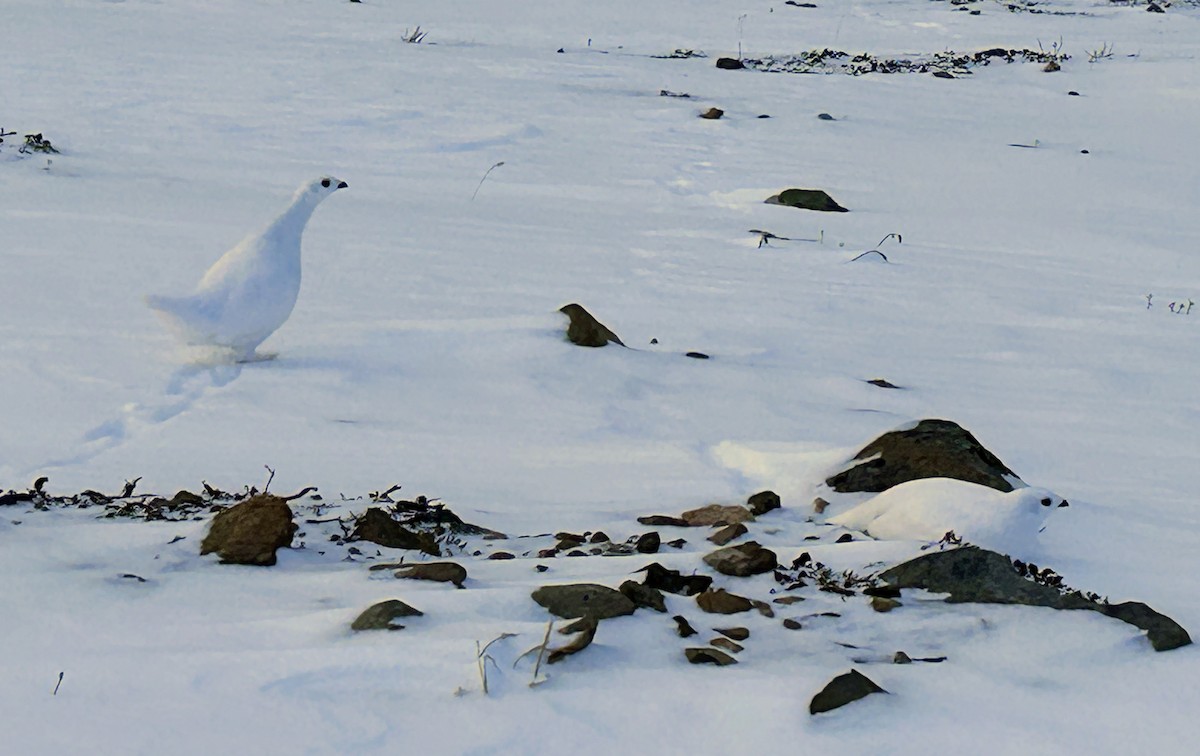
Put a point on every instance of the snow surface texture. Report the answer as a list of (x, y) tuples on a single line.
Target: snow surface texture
[(426, 348)]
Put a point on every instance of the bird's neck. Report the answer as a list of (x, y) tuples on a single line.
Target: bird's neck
[(290, 224)]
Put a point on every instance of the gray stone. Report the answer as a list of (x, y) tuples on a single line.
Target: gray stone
[(743, 560), (583, 600), (381, 615), (250, 532), (643, 595), (842, 690), (931, 449)]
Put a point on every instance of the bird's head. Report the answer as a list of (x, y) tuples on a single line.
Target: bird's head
[(323, 187)]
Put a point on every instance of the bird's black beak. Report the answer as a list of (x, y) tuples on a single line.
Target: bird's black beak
[(342, 185)]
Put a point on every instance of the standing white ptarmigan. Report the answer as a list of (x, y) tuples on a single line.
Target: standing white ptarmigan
[(248, 293)]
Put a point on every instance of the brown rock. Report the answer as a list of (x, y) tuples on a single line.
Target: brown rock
[(726, 644), (380, 616), (717, 514), (682, 626), (842, 690), (734, 633), (250, 532), (708, 656), (643, 595), (743, 560), (440, 572), (792, 624), (728, 533), (722, 602), (377, 526), (712, 114), (659, 521), (584, 330), (881, 604), (819, 505)]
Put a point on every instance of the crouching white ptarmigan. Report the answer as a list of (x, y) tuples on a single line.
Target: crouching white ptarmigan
[(248, 293)]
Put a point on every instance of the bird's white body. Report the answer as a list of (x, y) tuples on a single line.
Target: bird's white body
[(927, 509), (250, 291)]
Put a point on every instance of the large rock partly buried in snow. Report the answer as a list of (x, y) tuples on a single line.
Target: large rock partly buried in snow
[(743, 560), (584, 330), (377, 526), (583, 600), (250, 532), (972, 574), (382, 616), (842, 690), (807, 199), (930, 449)]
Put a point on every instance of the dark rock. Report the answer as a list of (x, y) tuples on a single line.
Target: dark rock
[(884, 605), (648, 543), (787, 600), (730, 64), (717, 514), (586, 632), (1154, 8), (825, 117), (379, 527), (727, 644), (438, 572), (1052, 66), (659, 521), (728, 533), (722, 602), (381, 615), (583, 600), (885, 591), (682, 626), (696, 355), (678, 543), (901, 658), (883, 383), (643, 595), (842, 690), (792, 624), (186, 499), (807, 199), (567, 544), (708, 656), (763, 608), (547, 553), (501, 555), (844, 538), (1073, 93), (931, 449), (599, 537), (743, 560), (819, 505), (672, 581), (763, 502), (541, 567), (250, 532), (734, 633), (943, 74), (971, 574), (712, 114), (574, 537), (585, 330)]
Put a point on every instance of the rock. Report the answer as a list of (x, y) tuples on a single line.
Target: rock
[(844, 538), (884, 384), (717, 514), (743, 560), (643, 595), (696, 355), (379, 527), (380, 616), (678, 543), (438, 572), (583, 600), (763, 608), (730, 64), (672, 581), (788, 600), (734, 633), (586, 631), (1154, 8), (712, 114), (727, 644), (599, 537), (884, 605), (547, 553), (842, 690), (930, 449), (819, 505), (806, 199), (708, 656), (1052, 66), (647, 543), (250, 532), (186, 498), (763, 502), (501, 555), (585, 330), (722, 602), (901, 658), (825, 117), (728, 533), (972, 574), (886, 591), (943, 75), (659, 521), (792, 624), (682, 626)]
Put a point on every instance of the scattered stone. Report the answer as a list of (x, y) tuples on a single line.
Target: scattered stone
[(1052, 66), (788, 600), (672, 581), (842, 690), (380, 616), (730, 64), (883, 383), (901, 658), (792, 624), (1073, 93), (438, 572), (585, 330), (682, 626), (1154, 8), (501, 555), (696, 355), (734, 633), (379, 527), (930, 449), (583, 600), (763, 502), (586, 629), (599, 537), (763, 608), (659, 521), (712, 114), (807, 199), (708, 656), (576, 553), (567, 544), (678, 543), (575, 537), (717, 514), (972, 574), (944, 75), (643, 595), (884, 605), (884, 591), (722, 602), (250, 532), (648, 543), (825, 117), (728, 533), (844, 538), (743, 560), (547, 553), (727, 644), (541, 568)]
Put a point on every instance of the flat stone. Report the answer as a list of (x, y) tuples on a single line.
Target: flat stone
[(708, 656), (659, 521), (672, 581), (380, 616), (743, 560), (881, 604), (583, 600), (438, 572), (722, 602), (727, 644), (728, 533), (787, 600), (717, 514), (842, 690), (734, 633)]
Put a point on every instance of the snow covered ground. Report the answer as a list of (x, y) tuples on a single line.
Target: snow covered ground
[(426, 349)]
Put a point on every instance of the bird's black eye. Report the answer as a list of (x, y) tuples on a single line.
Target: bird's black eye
[(325, 183)]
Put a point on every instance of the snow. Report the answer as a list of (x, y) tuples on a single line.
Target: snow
[(426, 349)]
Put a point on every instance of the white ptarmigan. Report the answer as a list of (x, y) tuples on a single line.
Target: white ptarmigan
[(250, 292)]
